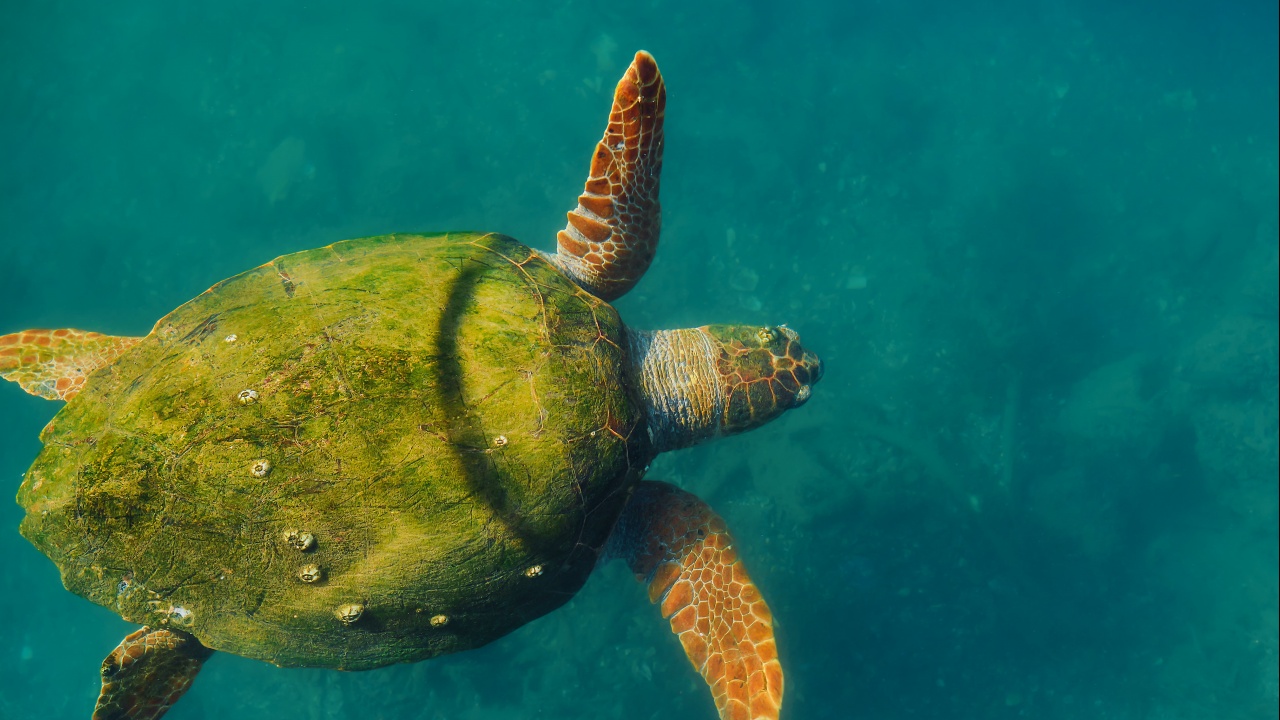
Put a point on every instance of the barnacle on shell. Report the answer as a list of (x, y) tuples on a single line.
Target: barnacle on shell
[(349, 613), (310, 573)]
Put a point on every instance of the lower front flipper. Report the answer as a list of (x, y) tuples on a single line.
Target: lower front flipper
[(147, 673), (681, 547)]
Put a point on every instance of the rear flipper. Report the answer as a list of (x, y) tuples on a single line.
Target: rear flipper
[(147, 673), (678, 544), (55, 363)]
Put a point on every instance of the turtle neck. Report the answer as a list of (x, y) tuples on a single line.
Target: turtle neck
[(674, 378)]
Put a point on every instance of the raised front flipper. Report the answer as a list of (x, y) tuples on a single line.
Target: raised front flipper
[(147, 673), (54, 363), (680, 546), (613, 232)]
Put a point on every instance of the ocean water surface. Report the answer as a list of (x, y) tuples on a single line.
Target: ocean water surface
[(1034, 242)]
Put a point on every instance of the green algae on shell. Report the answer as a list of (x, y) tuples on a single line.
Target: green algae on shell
[(440, 413)]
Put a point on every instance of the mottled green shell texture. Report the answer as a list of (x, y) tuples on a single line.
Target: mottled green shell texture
[(375, 452)]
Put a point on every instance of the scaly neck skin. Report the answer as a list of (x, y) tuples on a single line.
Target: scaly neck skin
[(674, 372)]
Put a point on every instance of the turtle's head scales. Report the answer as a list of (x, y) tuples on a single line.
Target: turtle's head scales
[(765, 370), (802, 360)]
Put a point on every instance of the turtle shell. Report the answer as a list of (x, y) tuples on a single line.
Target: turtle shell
[(375, 452)]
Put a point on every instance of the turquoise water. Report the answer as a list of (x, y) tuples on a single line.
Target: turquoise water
[(1035, 244)]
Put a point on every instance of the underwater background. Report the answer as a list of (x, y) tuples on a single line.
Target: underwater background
[(1034, 242)]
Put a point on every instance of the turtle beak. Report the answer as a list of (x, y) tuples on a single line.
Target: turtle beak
[(812, 366), (807, 360)]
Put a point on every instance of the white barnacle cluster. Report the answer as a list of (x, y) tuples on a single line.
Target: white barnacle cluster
[(247, 397), (300, 540), (179, 615), (169, 613), (260, 468)]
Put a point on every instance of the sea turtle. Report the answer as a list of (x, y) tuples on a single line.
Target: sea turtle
[(396, 447)]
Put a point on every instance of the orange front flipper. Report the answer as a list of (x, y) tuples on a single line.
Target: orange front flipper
[(678, 544), (613, 232), (147, 673), (55, 363)]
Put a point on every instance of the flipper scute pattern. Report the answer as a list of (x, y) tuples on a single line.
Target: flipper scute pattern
[(54, 364), (681, 547), (612, 234), (147, 673)]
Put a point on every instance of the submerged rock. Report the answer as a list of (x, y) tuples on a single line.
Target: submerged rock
[(1116, 408), (1236, 356)]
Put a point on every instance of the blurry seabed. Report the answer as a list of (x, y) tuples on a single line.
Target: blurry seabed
[(1035, 243)]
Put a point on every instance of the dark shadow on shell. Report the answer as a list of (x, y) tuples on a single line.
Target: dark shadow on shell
[(467, 437)]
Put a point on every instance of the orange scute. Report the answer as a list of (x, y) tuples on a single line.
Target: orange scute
[(662, 579), (695, 647), (601, 206), (593, 230), (736, 710)]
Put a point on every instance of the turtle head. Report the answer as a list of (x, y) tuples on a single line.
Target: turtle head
[(701, 383), (763, 372)]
